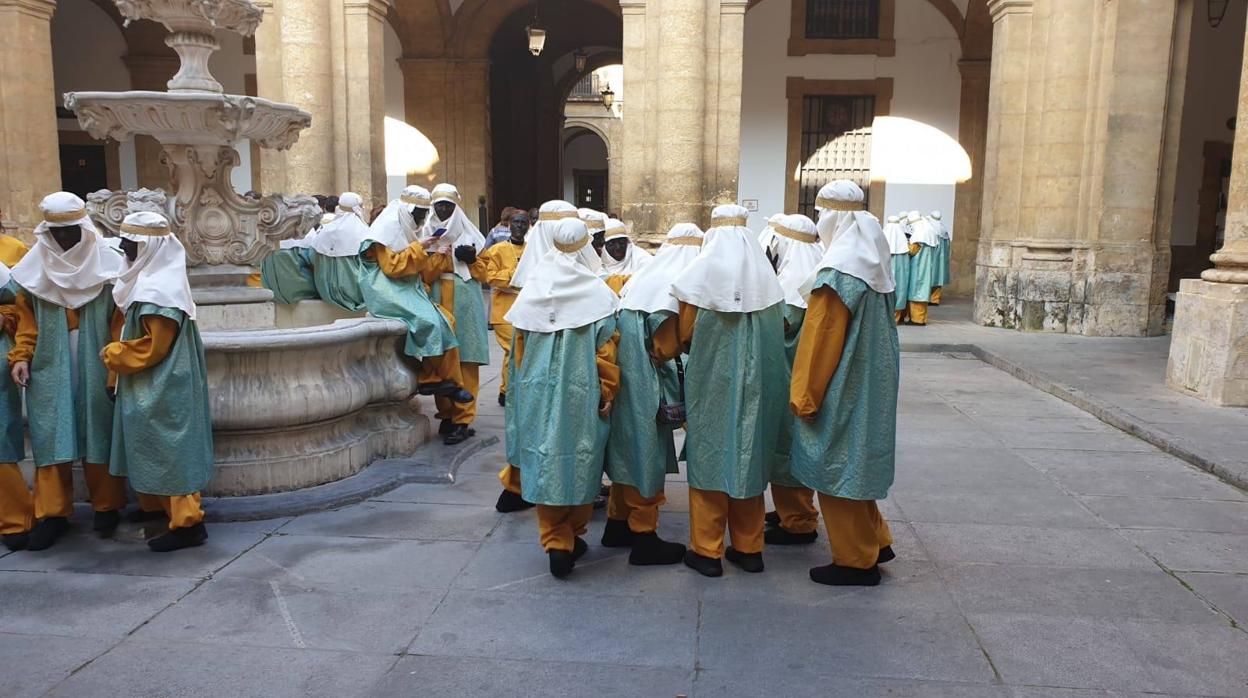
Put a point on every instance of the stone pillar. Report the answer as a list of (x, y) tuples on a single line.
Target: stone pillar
[(725, 53), (28, 138), (637, 182), (972, 134), (150, 73), (306, 82), (363, 54), (270, 85), (1209, 347), (680, 111)]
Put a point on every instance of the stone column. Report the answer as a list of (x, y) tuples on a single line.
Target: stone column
[(972, 134), (725, 53), (637, 158), (150, 73), (364, 89), (1209, 347), (306, 82), (28, 138), (270, 85)]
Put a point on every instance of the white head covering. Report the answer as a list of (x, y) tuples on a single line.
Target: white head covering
[(350, 202), (650, 290), (347, 232), (923, 230), (797, 250), (417, 196), (460, 230), (941, 229), (69, 278), (860, 250), (896, 236), (835, 202), (564, 293), (310, 237), (595, 221), (731, 274), (5, 274), (395, 227), (635, 259), (540, 238), (158, 273), (768, 234)]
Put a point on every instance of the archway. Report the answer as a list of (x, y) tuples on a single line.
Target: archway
[(585, 169)]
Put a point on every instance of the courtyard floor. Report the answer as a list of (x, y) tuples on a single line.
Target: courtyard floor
[(1040, 553)]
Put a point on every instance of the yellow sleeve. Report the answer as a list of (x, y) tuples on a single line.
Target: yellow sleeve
[(688, 317), (496, 270), (818, 351), (134, 355), (914, 248), (665, 344), (25, 333), (398, 265), (608, 368), (617, 281), (438, 264), (517, 348)]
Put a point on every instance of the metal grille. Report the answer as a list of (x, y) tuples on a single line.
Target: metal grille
[(842, 19), (587, 89), (836, 144)]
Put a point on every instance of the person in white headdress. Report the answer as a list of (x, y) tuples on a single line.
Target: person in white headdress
[(500, 261), (336, 249), (454, 278), (837, 201), (946, 249), (565, 379), (901, 250), (162, 427), (596, 222), (621, 258), (768, 236), (924, 268), (641, 450), (731, 324), (288, 271), (796, 250), (17, 340), (844, 392), (66, 284)]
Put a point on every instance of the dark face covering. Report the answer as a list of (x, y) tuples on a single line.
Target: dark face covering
[(599, 241), (519, 228), (444, 210), (617, 248), (66, 236), (419, 215), (130, 248)]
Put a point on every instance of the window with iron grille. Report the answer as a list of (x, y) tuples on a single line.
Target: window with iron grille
[(836, 144), (842, 19)]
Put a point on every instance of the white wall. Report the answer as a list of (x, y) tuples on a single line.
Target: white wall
[(1212, 95), (395, 107), (926, 88), (587, 152)]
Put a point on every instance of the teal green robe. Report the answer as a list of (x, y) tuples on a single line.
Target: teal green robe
[(471, 326), (162, 431), (289, 275), (923, 270), (640, 451), (337, 280), (67, 403), (735, 385), (942, 267), (901, 274), (428, 331), (557, 394), (12, 437), (849, 449), (780, 475)]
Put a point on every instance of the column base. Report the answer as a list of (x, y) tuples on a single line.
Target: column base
[(1209, 346)]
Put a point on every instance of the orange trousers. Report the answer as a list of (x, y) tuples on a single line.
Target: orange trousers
[(918, 312), (710, 512), (17, 507), (54, 489), (627, 504), (504, 334), (463, 413), (796, 507), (444, 367), (559, 526), (183, 510), (509, 477), (936, 295), (856, 531)]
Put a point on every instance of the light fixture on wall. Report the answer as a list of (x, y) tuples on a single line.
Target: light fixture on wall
[(581, 59), (608, 96), (536, 33), (1217, 11)]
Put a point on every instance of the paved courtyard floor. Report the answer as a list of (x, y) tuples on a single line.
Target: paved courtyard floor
[(1040, 553)]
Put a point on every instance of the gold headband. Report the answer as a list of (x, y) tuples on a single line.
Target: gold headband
[(412, 199), (593, 225), (555, 215), (612, 231), (453, 198), (733, 220), (691, 242), (793, 234), (142, 230), (572, 248), (67, 217), (834, 205)]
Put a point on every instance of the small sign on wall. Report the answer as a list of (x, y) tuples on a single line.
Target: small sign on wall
[(750, 205)]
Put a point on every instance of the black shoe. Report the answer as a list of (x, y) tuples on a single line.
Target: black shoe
[(649, 549), (445, 427), (106, 522), (509, 501), (438, 388), (779, 535), (600, 499), (561, 563), (179, 538), (45, 533), (772, 518), (579, 548), (143, 516), (886, 555), (617, 534), (502, 399), (837, 576), (460, 434), (16, 541), (705, 566), (750, 562)]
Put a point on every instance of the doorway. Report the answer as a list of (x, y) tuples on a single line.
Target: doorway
[(84, 169)]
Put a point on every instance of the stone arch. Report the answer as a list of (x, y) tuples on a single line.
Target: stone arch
[(422, 25), (475, 23), (596, 61)]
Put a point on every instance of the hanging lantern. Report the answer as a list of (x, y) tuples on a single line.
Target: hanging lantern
[(1217, 11), (537, 39), (581, 59), (608, 96)]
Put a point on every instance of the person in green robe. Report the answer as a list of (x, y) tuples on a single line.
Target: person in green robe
[(924, 268), (901, 249), (946, 253), (731, 324), (565, 379), (844, 392), (162, 427), (66, 284), (288, 272), (641, 450), (794, 249), (336, 263), (17, 341)]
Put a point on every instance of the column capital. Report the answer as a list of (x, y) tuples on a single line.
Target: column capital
[(1000, 8), (263, 5), (43, 9), (733, 7), (377, 9), (975, 68), (633, 7)]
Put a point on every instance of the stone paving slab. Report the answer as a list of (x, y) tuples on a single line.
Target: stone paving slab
[(35, 664), (83, 605), (450, 677)]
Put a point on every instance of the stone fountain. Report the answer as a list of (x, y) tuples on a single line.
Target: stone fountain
[(300, 396)]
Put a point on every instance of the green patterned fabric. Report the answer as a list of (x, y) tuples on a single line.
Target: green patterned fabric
[(162, 432), (942, 266), (901, 274), (428, 332), (338, 280), (923, 268), (67, 403), (12, 438), (557, 394), (735, 385), (289, 275), (780, 475), (849, 449), (471, 327), (640, 452)]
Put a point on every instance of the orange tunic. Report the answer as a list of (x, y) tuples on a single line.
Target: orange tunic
[(126, 357), (818, 351)]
